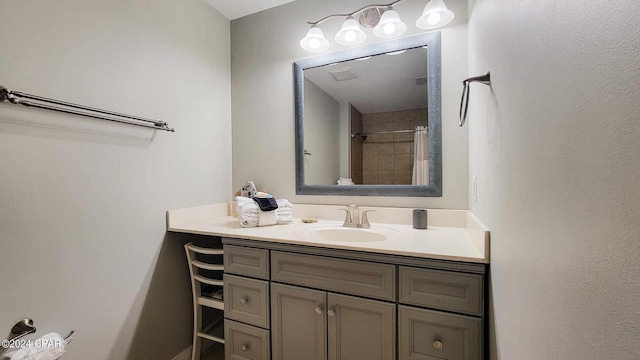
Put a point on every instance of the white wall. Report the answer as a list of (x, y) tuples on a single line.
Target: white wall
[(323, 114), (82, 212), (556, 151), (264, 47)]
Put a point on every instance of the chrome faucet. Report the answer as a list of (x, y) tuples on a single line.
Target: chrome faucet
[(352, 218)]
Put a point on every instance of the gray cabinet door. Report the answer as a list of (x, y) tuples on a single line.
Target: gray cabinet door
[(299, 325), (361, 329)]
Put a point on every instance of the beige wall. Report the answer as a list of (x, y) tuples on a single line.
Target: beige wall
[(556, 151), (82, 229), (264, 47), (322, 167)]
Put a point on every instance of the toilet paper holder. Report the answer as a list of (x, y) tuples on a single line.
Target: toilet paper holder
[(25, 327)]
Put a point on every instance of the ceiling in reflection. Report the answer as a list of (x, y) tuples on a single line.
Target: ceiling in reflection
[(377, 84)]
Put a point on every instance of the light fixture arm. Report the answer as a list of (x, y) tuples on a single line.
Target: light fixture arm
[(353, 13)]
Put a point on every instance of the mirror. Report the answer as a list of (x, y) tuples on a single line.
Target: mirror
[(368, 120)]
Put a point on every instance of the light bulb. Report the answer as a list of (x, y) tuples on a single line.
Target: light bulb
[(390, 25), (314, 41), (350, 35), (435, 15), (434, 18), (389, 28)]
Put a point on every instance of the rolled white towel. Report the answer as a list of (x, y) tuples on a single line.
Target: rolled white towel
[(248, 212)]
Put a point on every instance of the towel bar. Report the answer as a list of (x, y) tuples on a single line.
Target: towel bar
[(466, 92), (18, 98)]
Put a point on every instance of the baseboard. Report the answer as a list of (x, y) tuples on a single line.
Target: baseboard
[(185, 355)]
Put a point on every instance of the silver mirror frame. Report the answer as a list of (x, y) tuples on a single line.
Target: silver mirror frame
[(434, 189)]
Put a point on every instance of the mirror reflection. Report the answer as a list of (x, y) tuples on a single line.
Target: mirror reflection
[(365, 121)]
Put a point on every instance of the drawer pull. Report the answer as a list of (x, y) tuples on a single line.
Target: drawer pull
[(319, 310), (331, 313), (245, 347), (244, 301), (438, 345)]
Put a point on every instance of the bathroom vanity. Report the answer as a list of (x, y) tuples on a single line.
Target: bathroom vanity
[(298, 296)]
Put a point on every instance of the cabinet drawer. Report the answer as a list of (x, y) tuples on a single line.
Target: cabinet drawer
[(442, 290), (246, 261), (347, 276), (246, 300), (243, 342), (433, 335)]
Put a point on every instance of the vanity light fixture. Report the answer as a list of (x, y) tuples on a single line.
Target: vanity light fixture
[(435, 15), (350, 33), (390, 25), (384, 20), (314, 41)]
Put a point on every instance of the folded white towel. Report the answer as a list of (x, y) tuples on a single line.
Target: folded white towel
[(266, 218), (284, 211), (250, 215)]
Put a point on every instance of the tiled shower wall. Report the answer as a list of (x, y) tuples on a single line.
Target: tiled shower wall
[(388, 158)]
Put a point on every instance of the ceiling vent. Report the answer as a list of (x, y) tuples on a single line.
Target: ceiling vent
[(343, 74), (421, 81)]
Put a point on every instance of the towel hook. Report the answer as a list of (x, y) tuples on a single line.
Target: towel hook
[(466, 91)]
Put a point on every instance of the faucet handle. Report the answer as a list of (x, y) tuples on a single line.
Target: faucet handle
[(347, 220), (365, 219)]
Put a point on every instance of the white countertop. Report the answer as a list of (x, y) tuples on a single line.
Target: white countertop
[(468, 242)]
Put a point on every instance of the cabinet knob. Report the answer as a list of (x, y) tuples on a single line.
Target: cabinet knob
[(331, 313), (438, 345), (245, 347), (319, 310), (244, 301)]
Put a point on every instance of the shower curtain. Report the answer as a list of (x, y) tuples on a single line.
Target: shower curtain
[(420, 157)]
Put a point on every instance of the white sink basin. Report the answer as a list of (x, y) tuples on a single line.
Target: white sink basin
[(342, 234)]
